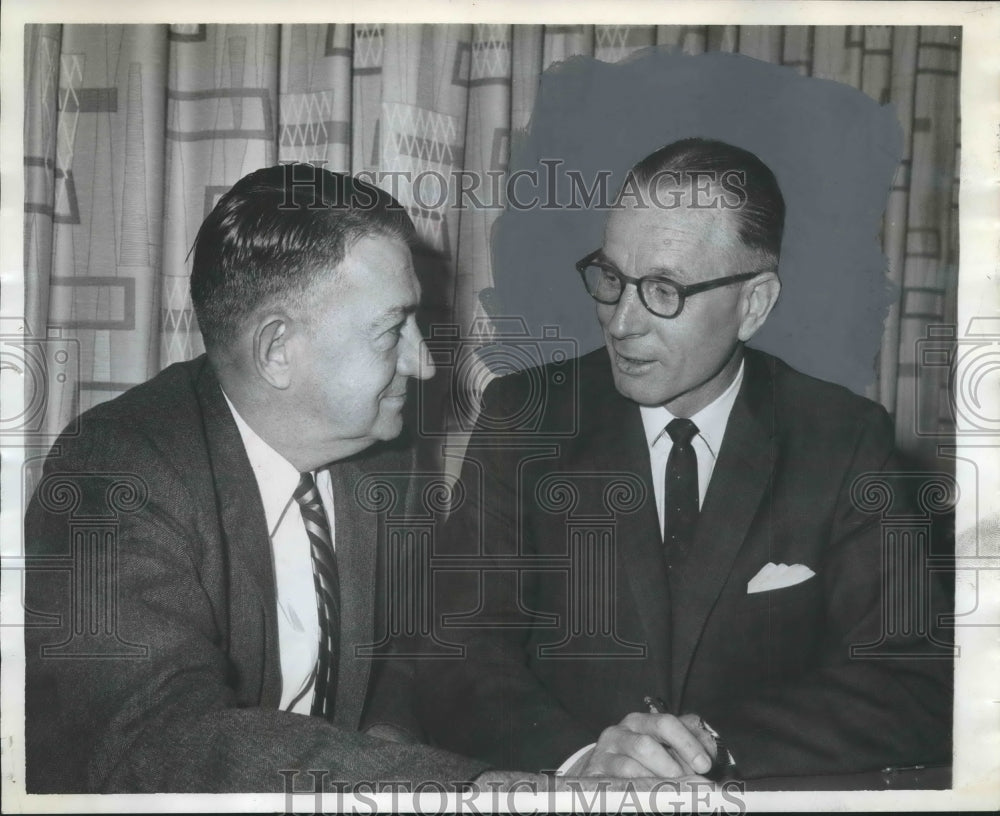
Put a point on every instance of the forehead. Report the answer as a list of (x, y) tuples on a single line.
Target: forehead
[(648, 233), (375, 277), (379, 268)]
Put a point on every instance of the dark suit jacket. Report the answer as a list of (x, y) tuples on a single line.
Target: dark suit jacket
[(577, 617), (177, 683)]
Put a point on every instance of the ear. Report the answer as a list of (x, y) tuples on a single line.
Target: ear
[(271, 351), (759, 296)]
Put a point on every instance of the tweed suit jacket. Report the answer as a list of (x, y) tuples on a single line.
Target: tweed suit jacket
[(184, 695)]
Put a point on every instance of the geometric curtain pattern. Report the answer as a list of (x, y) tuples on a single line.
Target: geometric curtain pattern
[(916, 70), (133, 131)]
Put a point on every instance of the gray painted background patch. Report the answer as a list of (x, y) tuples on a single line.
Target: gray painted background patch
[(833, 149)]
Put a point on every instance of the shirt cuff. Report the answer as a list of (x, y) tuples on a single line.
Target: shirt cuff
[(569, 763)]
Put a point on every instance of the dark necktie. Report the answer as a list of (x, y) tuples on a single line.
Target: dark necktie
[(680, 495), (327, 582)]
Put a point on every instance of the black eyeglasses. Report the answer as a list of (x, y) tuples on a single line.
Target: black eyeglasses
[(661, 296)]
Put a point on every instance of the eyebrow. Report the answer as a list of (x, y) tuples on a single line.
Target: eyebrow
[(668, 272), (394, 315), (656, 271)]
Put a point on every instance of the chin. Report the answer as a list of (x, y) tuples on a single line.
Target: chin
[(388, 428), (650, 400), (639, 392)]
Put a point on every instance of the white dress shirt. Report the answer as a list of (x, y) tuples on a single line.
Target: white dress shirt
[(711, 421), (298, 620)]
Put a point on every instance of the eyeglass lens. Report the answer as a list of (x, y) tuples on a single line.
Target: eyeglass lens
[(606, 286)]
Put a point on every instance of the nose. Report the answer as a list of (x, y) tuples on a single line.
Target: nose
[(414, 357), (629, 317)]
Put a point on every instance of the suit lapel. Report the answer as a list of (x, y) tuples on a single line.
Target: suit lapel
[(357, 541), (615, 442), (244, 526), (740, 478)]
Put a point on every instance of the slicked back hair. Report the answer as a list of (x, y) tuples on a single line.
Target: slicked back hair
[(271, 235), (761, 212)]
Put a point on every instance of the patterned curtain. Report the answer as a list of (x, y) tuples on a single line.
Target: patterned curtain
[(133, 131)]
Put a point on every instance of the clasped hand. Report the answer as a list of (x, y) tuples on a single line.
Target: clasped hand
[(650, 745)]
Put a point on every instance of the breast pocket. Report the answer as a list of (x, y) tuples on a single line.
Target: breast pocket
[(791, 620), (771, 636), (797, 593)]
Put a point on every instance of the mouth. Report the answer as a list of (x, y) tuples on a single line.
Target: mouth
[(631, 365)]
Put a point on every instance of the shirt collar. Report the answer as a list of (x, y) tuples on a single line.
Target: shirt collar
[(276, 477), (711, 420)]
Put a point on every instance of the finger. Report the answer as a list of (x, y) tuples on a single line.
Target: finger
[(646, 749), (675, 733), (643, 748), (684, 742), (640, 722), (696, 726), (609, 736), (651, 753), (686, 770)]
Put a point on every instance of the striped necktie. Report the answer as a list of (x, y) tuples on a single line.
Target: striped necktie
[(327, 582)]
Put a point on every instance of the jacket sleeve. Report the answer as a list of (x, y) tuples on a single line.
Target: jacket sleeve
[(154, 707), (486, 702), (881, 692)]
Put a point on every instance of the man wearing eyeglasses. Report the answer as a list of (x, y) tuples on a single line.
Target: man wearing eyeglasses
[(689, 562)]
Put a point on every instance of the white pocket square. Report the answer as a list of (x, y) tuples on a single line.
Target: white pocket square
[(778, 576)]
